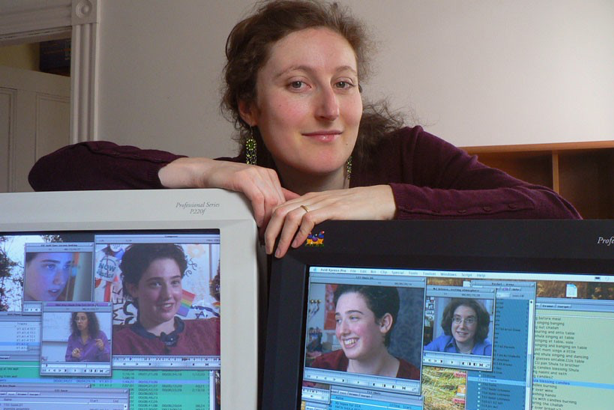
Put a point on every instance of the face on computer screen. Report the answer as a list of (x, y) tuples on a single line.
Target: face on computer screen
[(81, 321), (360, 333), (464, 325), (158, 292), (46, 275)]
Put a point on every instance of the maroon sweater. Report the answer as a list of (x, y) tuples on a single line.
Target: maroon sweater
[(430, 178), (338, 361), (195, 337)]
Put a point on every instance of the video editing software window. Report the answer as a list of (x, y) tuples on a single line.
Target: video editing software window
[(62, 397), (452, 315), (113, 320), (74, 339), (491, 340), (344, 323), (56, 271), (189, 294)]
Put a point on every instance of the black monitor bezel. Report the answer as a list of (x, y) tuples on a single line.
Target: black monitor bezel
[(545, 246)]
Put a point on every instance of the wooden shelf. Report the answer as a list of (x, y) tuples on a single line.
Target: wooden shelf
[(583, 173)]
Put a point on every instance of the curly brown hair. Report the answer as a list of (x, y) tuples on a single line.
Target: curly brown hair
[(248, 48)]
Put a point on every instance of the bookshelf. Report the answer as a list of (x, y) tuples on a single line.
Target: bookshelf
[(583, 172)]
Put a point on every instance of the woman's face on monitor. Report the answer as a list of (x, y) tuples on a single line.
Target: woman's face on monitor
[(308, 106), (47, 275), (81, 321), (158, 292), (357, 329), (464, 324)]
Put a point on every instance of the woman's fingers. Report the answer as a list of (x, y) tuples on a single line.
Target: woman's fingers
[(260, 185), (292, 221), (288, 195), (263, 189), (298, 223), (309, 221), (261, 196), (274, 227)]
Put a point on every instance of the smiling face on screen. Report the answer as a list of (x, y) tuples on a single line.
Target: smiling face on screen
[(361, 335), (464, 325), (158, 293)]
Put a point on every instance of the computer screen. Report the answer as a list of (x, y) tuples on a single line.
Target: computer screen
[(444, 315), (128, 299)]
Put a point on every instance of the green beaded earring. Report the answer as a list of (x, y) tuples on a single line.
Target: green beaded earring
[(348, 168), (251, 149)]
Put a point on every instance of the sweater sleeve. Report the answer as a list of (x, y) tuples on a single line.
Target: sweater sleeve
[(70, 346), (432, 179), (103, 355), (98, 165)]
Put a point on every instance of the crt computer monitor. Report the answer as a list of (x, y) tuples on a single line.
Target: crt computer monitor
[(491, 315), (61, 256)]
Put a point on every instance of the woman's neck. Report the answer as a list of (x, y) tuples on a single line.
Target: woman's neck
[(466, 347), (301, 183), (158, 328), (84, 334), (382, 364)]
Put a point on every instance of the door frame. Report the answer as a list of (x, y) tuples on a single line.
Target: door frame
[(41, 20)]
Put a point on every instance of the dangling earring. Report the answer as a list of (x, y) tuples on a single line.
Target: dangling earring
[(348, 169), (251, 149)]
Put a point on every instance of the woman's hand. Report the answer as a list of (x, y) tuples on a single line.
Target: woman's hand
[(292, 223), (100, 344), (260, 185), (76, 353)]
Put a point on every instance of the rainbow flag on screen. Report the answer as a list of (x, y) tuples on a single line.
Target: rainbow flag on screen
[(186, 303)]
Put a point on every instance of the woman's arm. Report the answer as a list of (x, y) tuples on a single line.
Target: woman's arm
[(441, 181), (99, 165), (104, 354), (69, 349), (260, 185)]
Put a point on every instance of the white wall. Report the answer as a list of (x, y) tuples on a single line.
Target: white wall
[(475, 72), (160, 73), (499, 72)]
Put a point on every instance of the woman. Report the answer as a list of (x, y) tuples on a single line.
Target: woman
[(365, 317), (151, 275), (46, 275), (465, 324), (87, 343), (312, 150)]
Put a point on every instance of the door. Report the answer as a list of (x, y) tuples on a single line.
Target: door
[(34, 120)]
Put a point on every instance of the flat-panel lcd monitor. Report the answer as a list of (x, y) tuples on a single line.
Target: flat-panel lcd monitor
[(128, 299), (443, 315)]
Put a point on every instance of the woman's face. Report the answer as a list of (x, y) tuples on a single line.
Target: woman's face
[(308, 105), (47, 275), (158, 292), (464, 324), (357, 329), (81, 321)]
